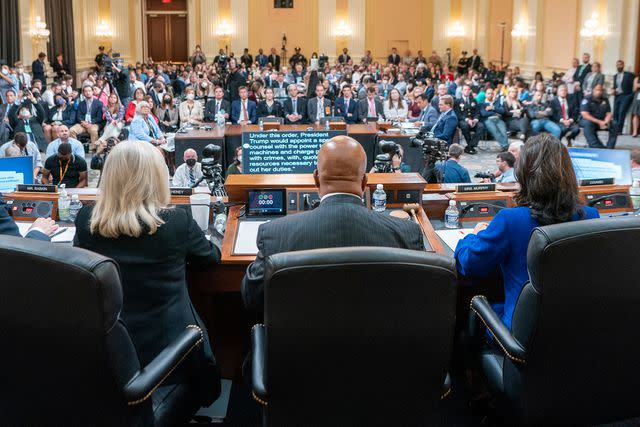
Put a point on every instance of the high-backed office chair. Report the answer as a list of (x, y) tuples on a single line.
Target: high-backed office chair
[(67, 358), (354, 336), (572, 356)]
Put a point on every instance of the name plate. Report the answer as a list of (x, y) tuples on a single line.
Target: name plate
[(599, 181), (475, 188), (181, 191), (38, 188)]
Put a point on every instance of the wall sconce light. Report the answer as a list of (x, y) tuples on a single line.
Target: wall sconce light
[(520, 30), (457, 30), (592, 28), (39, 31), (342, 30), (224, 29), (103, 31)]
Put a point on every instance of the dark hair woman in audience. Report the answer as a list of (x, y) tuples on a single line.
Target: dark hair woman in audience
[(152, 243), (167, 113), (548, 195), (236, 167), (138, 96), (269, 107)]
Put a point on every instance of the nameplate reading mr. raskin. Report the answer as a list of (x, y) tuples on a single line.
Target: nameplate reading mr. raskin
[(474, 188), (283, 152), (38, 188)]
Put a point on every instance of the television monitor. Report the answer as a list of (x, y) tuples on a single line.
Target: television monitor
[(14, 171), (597, 163)]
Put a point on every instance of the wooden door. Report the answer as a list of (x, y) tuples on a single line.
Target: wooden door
[(167, 37)]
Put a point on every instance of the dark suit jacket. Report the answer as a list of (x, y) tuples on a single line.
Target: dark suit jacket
[(276, 84), (236, 109), (210, 109), (301, 105), (446, 127), (96, 111), (572, 113), (156, 306), (275, 61), (68, 115), (467, 110), (475, 62), (394, 60), (339, 221), (363, 108), (578, 76), (35, 122), (627, 83), (353, 110), (9, 228), (312, 107), (263, 111), (37, 69)]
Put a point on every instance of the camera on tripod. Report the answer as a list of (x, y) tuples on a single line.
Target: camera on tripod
[(433, 150), (383, 162), (212, 170), (108, 69)]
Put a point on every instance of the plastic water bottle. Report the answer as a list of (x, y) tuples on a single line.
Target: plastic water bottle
[(63, 204), (74, 207), (635, 194), (451, 215), (261, 124), (220, 220), (327, 126), (379, 199)]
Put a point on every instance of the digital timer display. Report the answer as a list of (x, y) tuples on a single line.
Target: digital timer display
[(266, 203)]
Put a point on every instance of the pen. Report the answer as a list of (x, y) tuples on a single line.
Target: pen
[(60, 231)]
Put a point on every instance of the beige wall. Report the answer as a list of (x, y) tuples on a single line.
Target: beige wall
[(267, 25), (554, 26)]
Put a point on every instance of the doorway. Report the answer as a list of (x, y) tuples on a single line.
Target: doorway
[(166, 30)]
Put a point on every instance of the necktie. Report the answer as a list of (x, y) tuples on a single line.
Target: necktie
[(564, 110), (246, 114), (217, 107), (192, 177), (346, 105), (372, 108), (295, 106), (320, 108)]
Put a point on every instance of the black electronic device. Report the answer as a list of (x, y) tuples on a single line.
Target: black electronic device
[(474, 210), (267, 202), (609, 201), (30, 209)]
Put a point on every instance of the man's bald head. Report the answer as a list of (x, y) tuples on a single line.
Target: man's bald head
[(342, 163)]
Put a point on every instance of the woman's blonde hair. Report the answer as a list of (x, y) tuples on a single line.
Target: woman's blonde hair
[(133, 189)]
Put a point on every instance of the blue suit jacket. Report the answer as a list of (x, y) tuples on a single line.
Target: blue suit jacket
[(503, 244), (446, 127), (353, 110), (8, 226), (236, 108), (96, 111), (139, 130), (454, 173)]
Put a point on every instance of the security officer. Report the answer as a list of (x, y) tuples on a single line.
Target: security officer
[(596, 115), (298, 57), (468, 113)]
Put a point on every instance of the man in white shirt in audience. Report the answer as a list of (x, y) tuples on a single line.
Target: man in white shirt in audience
[(190, 172)]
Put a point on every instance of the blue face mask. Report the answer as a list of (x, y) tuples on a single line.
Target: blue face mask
[(60, 102)]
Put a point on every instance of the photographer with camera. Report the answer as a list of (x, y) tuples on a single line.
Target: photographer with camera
[(28, 117), (390, 159), (102, 151), (451, 170)]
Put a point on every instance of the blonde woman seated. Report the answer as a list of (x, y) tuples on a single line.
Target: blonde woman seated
[(152, 244), (191, 110), (395, 108)]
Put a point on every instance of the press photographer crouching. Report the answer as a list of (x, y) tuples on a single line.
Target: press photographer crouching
[(102, 151), (451, 170), (390, 161)]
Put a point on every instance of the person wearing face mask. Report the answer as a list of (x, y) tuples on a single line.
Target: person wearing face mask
[(167, 114), (28, 118), (190, 110), (65, 168), (60, 114), (24, 79), (23, 148), (190, 172), (8, 81)]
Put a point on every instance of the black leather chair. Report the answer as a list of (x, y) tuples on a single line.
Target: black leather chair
[(354, 336), (67, 358), (572, 356)]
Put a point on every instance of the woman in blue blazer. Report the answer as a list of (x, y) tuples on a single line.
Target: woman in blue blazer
[(548, 195)]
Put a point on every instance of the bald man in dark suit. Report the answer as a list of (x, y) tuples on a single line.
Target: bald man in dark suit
[(340, 220)]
